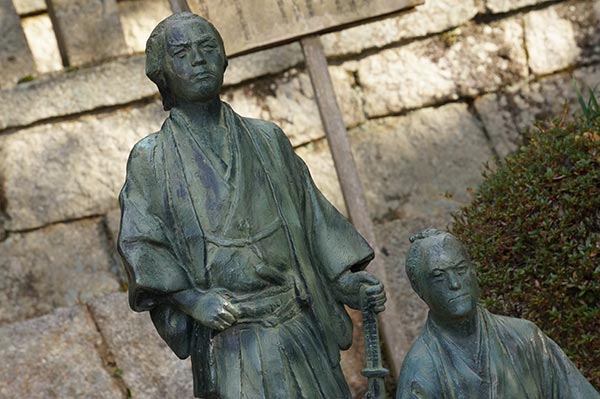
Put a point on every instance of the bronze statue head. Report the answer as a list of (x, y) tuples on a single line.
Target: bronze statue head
[(441, 272), (185, 58)]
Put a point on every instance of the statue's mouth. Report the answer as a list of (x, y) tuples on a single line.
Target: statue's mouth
[(458, 297), (202, 75)]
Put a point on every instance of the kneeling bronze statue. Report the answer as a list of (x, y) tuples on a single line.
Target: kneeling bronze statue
[(466, 352)]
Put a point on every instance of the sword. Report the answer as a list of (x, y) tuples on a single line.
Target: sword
[(374, 370)]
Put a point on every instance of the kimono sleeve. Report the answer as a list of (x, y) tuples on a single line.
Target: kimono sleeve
[(561, 376), (152, 268), (332, 238), (417, 378)]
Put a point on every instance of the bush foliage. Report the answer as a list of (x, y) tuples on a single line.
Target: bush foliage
[(534, 230)]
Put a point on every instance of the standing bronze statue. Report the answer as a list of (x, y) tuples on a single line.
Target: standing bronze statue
[(240, 260), (465, 352)]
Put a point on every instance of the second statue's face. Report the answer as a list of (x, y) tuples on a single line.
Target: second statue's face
[(448, 280), (195, 61)]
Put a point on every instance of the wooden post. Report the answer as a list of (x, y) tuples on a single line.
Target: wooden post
[(337, 136), (179, 6)]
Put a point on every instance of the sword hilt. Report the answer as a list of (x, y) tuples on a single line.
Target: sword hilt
[(374, 369)]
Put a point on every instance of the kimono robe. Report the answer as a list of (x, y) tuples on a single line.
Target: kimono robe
[(515, 359), (249, 221)]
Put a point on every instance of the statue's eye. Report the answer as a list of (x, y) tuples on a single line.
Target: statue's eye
[(462, 269), (209, 46), (180, 53)]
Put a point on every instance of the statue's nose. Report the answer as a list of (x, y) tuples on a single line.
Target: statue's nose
[(454, 281), (198, 57)]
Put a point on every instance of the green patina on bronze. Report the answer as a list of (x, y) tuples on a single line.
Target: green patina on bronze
[(466, 352), (241, 261)]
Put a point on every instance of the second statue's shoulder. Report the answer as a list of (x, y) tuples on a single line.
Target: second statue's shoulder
[(271, 135), (143, 151), (145, 145), (268, 128)]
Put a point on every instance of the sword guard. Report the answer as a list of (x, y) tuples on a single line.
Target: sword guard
[(375, 372)]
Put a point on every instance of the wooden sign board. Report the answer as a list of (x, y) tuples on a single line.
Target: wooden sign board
[(248, 25)]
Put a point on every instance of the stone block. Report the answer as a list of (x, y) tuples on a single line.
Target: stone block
[(563, 35), (289, 102), (61, 265), (88, 31), (423, 163), (550, 41), (70, 169), (112, 220), (55, 356), (266, 62), (29, 6), (588, 78), (138, 18), (465, 62), (114, 83), (506, 115), (317, 157), (432, 17), (42, 42), (500, 6), (16, 61), (147, 366)]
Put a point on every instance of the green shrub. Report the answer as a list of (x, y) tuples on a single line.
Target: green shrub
[(534, 230)]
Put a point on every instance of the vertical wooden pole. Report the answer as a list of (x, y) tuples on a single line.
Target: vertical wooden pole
[(337, 136), (179, 6), (352, 189)]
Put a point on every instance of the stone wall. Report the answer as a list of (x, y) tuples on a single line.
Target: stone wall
[(428, 97)]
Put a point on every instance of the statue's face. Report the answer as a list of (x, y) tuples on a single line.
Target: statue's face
[(448, 282), (195, 61)]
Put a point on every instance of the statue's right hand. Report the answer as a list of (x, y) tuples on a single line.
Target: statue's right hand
[(214, 310)]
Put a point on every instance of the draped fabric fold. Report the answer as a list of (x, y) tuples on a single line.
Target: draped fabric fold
[(515, 359), (248, 220)]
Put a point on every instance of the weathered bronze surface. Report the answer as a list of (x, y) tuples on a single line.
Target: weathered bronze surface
[(241, 261), (465, 351)]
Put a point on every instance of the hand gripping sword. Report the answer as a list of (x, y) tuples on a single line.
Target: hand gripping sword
[(374, 369)]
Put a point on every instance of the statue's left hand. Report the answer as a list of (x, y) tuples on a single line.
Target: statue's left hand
[(360, 290)]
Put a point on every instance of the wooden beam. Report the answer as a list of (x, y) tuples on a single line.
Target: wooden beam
[(87, 31), (16, 60)]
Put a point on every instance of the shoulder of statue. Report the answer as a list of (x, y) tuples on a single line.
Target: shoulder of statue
[(525, 328), (417, 369), (272, 135), (418, 357), (268, 128), (145, 145), (142, 152)]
